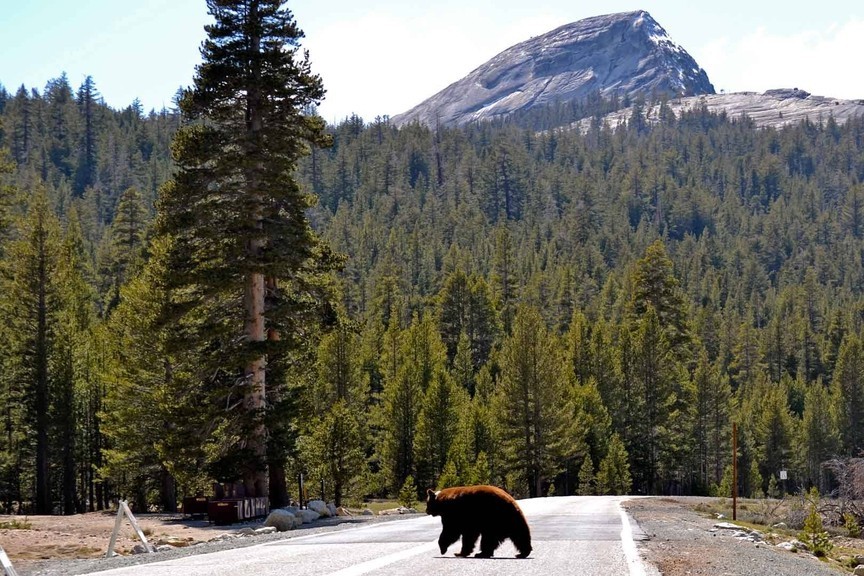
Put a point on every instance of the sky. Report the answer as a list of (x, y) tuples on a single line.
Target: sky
[(381, 57)]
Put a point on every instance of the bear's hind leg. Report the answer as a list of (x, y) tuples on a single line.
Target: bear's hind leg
[(488, 543), (468, 540)]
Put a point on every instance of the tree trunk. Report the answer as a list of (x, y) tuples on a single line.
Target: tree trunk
[(168, 492), (43, 485), (255, 477), (278, 486)]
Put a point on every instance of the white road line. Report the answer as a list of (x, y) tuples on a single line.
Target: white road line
[(375, 564), (634, 562)]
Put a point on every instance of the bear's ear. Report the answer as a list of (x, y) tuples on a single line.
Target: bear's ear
[(430, 494)]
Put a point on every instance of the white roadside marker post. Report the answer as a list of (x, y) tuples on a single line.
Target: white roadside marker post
[(123, 508), (7, 564)]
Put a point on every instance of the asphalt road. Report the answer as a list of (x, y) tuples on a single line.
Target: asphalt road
[(589, 536)]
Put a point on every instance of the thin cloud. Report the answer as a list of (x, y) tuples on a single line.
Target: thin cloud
[(819, 61)]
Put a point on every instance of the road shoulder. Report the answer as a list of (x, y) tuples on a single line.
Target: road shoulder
[(680, 541)]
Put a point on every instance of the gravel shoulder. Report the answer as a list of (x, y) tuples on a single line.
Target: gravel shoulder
[(681, 542), (202, 537)]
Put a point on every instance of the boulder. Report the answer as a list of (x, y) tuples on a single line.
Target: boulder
[(320, 507), (174, 542), (396, 511), (281, 519), (308, 516), (367, 512), (859, 571), (801, 545), (223, 537), (331, 507), (727, 526)]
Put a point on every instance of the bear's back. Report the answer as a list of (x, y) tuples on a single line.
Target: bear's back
[(488, 502)]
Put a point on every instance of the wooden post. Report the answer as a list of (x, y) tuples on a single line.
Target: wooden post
[(734, 471)]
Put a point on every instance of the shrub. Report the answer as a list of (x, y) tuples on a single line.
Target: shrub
[(814, 534), (408, 493)]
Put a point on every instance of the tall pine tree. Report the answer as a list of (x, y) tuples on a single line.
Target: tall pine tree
[(236, 212)]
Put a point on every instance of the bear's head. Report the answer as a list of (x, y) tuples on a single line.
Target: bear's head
[(432, 505)]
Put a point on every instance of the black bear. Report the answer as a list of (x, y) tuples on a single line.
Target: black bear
[(486, 512)]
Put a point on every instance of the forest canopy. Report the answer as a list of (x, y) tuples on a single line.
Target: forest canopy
[(665, 279)]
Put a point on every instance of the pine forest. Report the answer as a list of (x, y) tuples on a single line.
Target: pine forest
[(549, 308)]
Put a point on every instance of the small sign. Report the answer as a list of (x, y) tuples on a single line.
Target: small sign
[(783, 475)]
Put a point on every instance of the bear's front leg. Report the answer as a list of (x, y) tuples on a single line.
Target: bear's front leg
[(449, 535)]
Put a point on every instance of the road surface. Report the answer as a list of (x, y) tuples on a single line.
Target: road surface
[(585, 535)]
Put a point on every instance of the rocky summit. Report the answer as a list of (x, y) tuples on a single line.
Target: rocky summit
[(626, 54)]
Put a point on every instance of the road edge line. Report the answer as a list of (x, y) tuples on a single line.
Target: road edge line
[(631, 554)]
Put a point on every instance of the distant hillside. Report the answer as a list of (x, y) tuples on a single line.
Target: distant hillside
[(773, 108), (625, 55)]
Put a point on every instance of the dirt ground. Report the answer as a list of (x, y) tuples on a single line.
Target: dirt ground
[(31, 538)]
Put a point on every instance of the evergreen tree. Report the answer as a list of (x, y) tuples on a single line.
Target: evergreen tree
[(713, 424), (411, 362), (88, 158), (592, 418), (62, 117), (661, 436), (234, 210), (69, 364), (126, 245), (614, 474), (849, 378), (31, 308), (587, 482), (155, 404), (337, 436), (463, 366), (774, 430), (819, 437), (438, 427), (337, 442), (531, 402), (504, 277), (746, 365), (465, 306), (656, 286)]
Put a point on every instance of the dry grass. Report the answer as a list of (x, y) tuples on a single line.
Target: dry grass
[(378, 505), (15, 524)]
